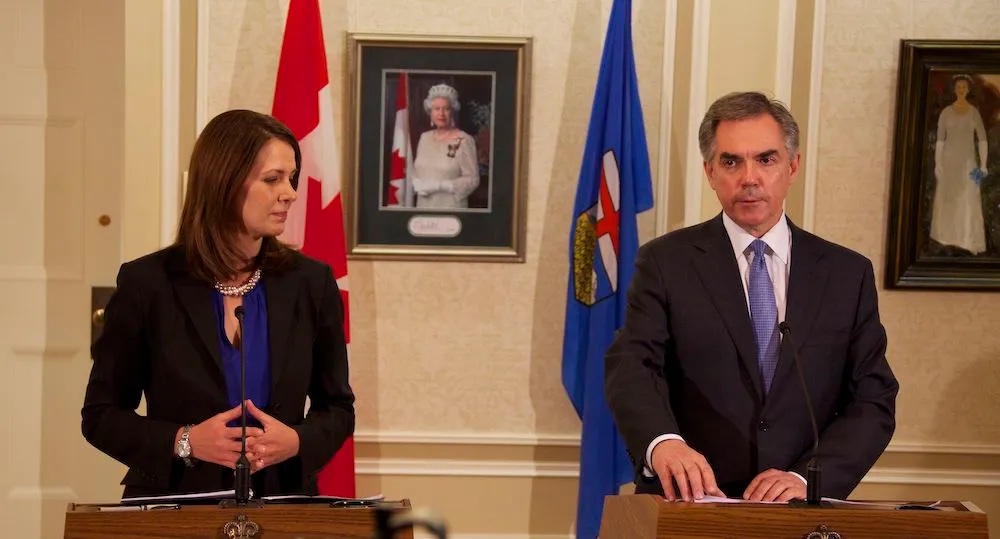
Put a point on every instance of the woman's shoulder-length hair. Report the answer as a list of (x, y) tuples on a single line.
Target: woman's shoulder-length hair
[(222, 159)]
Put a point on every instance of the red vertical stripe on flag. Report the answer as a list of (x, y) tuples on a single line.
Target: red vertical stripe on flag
[(301, 101), (398, 162)]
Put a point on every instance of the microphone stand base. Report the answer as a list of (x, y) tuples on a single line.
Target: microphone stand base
[(233, 504), (803, 503)]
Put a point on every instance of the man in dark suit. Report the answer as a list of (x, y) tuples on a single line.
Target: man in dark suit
[(700, 381)]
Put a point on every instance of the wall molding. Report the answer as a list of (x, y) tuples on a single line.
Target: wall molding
[(943, 449), (201, 76), (697, 101), (570, 470), (573, 440), (39, 120), (38, 273), (785, 51), (465, 467), (36, 492), (54, 352), (662, 196), (812, 128), (467, 438), (932, 476), (170, 121)]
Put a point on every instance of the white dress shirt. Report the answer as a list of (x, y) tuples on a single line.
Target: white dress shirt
[(779, 261)]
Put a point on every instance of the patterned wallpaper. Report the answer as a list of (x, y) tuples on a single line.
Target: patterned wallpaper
[(943, 346), (467, 348), (459, 347)]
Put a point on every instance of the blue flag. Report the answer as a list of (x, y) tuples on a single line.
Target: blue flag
[(614, 186)]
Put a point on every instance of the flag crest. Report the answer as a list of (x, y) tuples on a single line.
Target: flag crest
[(596, 239)]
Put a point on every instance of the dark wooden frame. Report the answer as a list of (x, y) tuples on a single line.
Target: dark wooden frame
[(913, 260), (494, 235)]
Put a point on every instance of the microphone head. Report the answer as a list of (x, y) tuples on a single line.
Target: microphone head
[(239, 312), (782, 327)]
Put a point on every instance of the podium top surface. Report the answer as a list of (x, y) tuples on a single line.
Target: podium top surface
[(853, 505), (647, 516), (314, 520), (319, 505)]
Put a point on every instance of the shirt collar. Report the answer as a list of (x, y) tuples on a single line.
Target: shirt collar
[(778, 238)]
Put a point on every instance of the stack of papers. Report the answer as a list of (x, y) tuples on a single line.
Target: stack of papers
[(201, 497), (831, 501)]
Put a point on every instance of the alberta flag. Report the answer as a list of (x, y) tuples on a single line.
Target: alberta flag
[(614, 186)]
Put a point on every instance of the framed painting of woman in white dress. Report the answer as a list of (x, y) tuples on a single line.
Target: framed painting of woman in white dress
[(438, 149), (944, 221)]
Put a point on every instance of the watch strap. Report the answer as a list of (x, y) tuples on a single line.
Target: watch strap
[(185, 439)]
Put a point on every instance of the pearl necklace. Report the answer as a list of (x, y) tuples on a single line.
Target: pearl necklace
[(240, 289)]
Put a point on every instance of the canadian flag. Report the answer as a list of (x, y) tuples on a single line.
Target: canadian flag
[(303, 102), (400, 191)]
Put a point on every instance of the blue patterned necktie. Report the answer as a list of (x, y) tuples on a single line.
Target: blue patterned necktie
[(763, 313)]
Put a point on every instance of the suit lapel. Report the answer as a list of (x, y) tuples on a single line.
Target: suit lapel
[(195, 298), (806, 283), (281, 292), (720, 275)]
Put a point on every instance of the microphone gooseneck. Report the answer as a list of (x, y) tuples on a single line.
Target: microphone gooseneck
[(813, 472), (242, 473)]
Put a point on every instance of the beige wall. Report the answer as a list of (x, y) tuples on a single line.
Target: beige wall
[(79, 139), (942, 345), (460, 406), (466, 395), (430, 366)]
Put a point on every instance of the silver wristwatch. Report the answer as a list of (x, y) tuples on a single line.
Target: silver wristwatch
[(183, 449)]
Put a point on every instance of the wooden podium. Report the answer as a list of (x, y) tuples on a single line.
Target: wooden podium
[(271, 521), (645, 516)]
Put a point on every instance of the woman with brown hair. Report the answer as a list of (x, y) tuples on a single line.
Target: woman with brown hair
[(172, 335)]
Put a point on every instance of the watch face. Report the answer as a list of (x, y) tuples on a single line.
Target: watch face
[(183, 449)]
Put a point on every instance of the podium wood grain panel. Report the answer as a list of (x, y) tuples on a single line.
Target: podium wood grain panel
[(649, 517), (302, 521)]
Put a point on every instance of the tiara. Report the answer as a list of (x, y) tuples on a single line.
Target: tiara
[(442, 90)]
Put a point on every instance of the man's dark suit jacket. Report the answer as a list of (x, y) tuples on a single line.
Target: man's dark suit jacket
[(161, 339), (685, 362)]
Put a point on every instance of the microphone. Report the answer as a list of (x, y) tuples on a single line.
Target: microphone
[(242, 481), (813, 473)]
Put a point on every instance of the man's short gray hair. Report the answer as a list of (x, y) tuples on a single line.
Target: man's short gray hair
[(741, 106)]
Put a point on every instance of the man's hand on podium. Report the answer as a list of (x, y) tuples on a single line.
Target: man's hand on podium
[(675, 461), (775, 486)]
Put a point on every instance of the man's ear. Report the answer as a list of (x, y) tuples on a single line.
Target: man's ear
[(793, 166)]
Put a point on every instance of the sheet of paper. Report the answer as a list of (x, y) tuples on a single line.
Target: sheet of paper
[(832, 501), (214, 495), (295, 497), (720, 499)]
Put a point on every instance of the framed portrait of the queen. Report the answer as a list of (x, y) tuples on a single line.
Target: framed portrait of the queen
[(944, 214), (437, 147)]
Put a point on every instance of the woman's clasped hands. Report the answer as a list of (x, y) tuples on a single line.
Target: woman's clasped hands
[(271, 443)]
